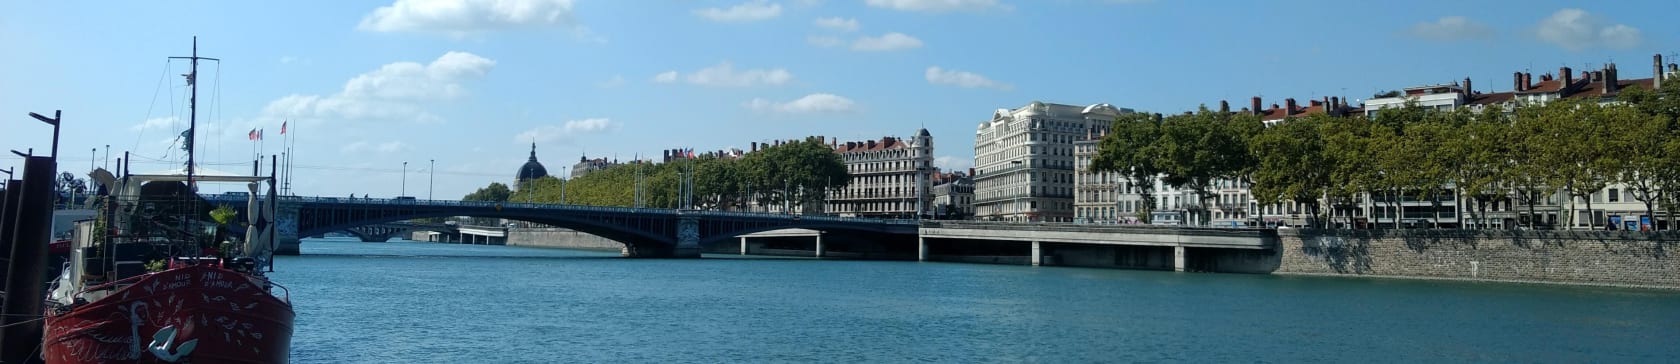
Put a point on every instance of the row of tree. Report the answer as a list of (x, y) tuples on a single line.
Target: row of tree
[(799, 174), (1578, 146)]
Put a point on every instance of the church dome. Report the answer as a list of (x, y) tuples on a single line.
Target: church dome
[(532, 169)]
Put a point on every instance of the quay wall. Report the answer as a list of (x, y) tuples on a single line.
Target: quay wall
[(1601, 258), (560, 238)]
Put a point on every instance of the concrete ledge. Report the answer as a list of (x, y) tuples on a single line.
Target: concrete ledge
[(1475, 280)]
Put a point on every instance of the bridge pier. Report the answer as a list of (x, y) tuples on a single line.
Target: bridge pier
[(743, 245), (921, 248), (1178, 258), (287, 246)]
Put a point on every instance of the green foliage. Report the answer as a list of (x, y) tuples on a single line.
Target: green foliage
[(495, 192), (157, 265), (799, 172), (223, 214)]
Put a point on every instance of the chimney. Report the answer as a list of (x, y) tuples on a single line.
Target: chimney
[(1656, 71), (1335, 102), (1224, 107), (1516, 81), (1467, 90), (1289, 106), (1567, 75), (755, 146), (970, 171), (833, 141), (1254, 104), (1597, 76), (1528, 81), (1316, 103), (1610, 79), (1545, 77)]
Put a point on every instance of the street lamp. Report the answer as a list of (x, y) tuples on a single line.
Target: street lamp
[(404, 180), (432, 177)]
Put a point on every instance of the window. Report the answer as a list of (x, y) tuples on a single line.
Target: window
[(1614, 196)]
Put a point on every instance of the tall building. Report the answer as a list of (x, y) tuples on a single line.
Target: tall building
[(1096, 197), (586, 165), (889, 177), (1024, 159), (953, 195)]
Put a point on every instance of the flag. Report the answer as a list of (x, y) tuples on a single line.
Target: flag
[(283, 128), (191, 78), (251, 135), (186, 140)]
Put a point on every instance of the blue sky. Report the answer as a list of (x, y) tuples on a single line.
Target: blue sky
[(368, 85)]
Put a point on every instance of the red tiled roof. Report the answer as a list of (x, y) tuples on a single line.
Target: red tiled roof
[(1596, 89), (1491, 98), (883, 144)]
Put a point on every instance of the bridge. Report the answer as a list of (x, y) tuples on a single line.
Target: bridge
[(1143, 246), (375, 233), (645, 232)]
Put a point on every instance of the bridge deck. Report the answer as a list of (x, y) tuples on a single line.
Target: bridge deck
[(1227, 238)]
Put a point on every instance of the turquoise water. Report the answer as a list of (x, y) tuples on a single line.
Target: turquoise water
[(440, 303)]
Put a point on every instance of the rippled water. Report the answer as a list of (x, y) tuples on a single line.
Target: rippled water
[(438, 303)]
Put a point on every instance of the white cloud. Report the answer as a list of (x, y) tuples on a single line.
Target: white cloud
[(1450, 28), (744, 12), (363, 146), (725, 75), (824, 41), (813, 103), (837, 23), (394, 91), (936, 6), (166, 122), (940, 76), (953, 163), (886, 42), (566, 131), (391, 147), (461, 17), (615, 82), (1575, 30), (665, 77)]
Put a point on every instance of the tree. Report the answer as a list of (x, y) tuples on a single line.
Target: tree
[(1130, 150), (797, 174), (1349, 155), (495, 192), (1574, 150), (1481, 150), (1642, 162), (1292, 162)]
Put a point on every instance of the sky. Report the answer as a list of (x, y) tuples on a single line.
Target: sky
[(469, 85)]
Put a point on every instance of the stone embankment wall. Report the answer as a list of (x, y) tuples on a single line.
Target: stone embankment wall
[(1566, 257), (560, 238)]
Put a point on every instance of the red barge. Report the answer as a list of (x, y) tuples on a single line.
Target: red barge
[(162, 275)]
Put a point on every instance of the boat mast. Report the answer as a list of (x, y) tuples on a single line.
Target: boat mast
[(192, 111)]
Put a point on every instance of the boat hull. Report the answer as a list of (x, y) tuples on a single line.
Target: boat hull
[(196, 314)]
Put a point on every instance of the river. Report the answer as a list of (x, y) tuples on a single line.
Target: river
[(408, 302)]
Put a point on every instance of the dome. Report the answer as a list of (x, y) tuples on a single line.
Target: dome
[(923, 133), (532, 169)]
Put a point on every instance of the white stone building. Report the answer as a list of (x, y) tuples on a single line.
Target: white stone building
[(1024, 159), (889, 178)]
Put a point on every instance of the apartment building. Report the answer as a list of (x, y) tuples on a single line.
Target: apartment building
[(890, 178), (1024, 162)]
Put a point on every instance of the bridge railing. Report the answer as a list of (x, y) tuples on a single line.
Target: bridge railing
[(589, 208)]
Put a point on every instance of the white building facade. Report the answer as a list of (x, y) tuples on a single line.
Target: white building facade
[(890, 178), (1024, 160)]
